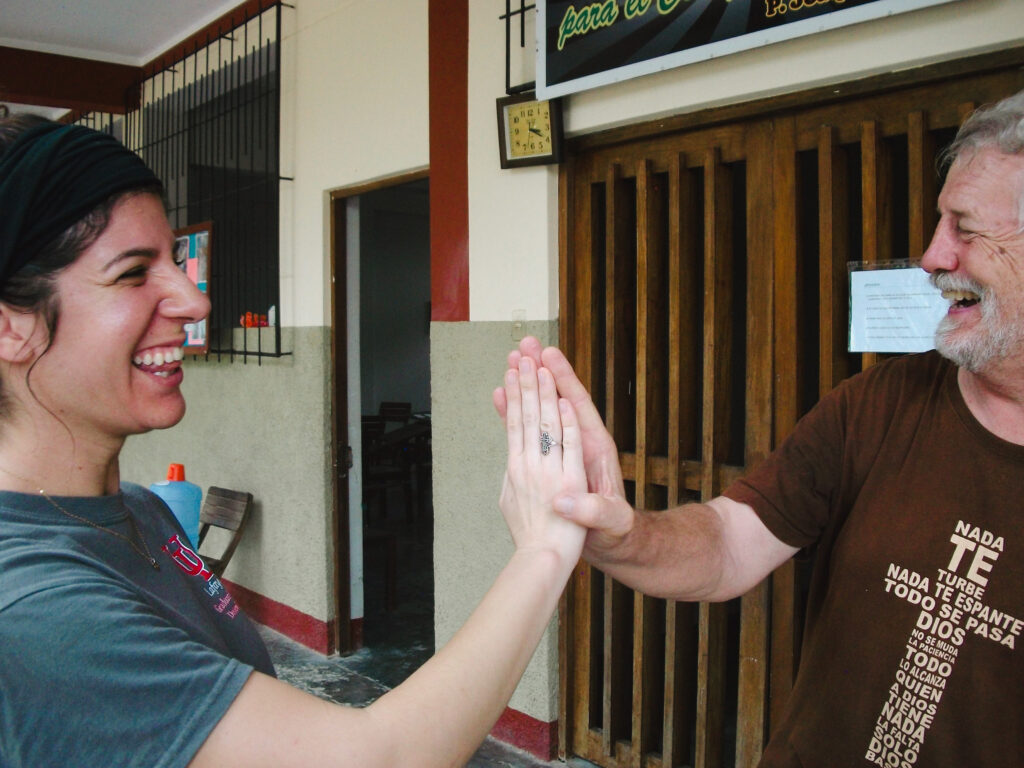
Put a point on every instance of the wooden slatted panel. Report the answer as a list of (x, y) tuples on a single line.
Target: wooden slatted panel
[(833, 228), (754, 657), (681, 648), (618, 602), (611, 641), (583, 258), (681, 399), (657, 258), (634, 658), (575, 650), (615, 321), (787, 282), (646, 322), (684, 304), (711, 661), (717, 269), (686, 308), (922, 182), (876, 222), (620, 240), (584, 631), (787, 367), (645, 642)]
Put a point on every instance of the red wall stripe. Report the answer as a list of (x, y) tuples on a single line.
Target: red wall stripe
[(513, 727), (535, 736), (299, 626), (449, 147)]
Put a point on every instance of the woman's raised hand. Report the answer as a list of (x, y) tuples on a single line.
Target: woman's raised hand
[(544, 460), (605, 510)]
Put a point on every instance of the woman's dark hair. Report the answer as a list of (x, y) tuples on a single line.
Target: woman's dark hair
[(31, 289)]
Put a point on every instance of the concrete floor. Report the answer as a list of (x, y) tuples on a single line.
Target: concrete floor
[(397, 642), (342, 679)]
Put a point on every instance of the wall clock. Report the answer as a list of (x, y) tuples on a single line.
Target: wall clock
[(529, 131)]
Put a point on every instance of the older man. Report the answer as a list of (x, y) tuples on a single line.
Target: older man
[(907, 480)]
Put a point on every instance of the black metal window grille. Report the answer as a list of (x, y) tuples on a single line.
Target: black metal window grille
[(209, 127), (520, 14)]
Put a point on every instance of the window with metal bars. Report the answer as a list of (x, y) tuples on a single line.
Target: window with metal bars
[(208, 124)]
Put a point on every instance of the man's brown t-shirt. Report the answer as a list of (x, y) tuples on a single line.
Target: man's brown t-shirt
[(915, 613)]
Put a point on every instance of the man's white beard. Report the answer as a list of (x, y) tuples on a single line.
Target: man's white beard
[(995, 336)]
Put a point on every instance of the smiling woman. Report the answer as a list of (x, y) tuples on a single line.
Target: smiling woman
[(88, 276), (109, 653)]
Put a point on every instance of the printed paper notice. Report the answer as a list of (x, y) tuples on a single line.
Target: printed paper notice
[(893, 310)]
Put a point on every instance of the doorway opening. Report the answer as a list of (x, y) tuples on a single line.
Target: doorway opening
[(398, 562), (385, 589)]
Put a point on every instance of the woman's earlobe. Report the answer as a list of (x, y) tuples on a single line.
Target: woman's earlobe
[(19, 334)]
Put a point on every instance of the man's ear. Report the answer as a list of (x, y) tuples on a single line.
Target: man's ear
[(21, 334)]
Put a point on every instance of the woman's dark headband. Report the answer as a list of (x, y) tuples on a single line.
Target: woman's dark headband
[(53, 175)]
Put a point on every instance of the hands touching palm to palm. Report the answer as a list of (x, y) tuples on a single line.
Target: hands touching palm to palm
[(534, 476), (542, 393)]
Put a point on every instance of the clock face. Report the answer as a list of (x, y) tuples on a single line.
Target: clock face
[(529, 129)]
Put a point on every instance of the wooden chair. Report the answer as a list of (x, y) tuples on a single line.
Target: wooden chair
[(226, 509)]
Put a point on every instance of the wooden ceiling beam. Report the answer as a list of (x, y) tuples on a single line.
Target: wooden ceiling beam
[(50, 80), (87, 85)]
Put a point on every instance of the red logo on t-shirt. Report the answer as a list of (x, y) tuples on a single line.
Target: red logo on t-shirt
[(186, 559), (193, 565)]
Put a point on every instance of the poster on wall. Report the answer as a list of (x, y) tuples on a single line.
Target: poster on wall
[(585, 45), (893, 307), (192, 253)]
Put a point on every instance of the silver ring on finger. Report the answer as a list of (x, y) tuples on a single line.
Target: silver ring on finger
[(547, 443)]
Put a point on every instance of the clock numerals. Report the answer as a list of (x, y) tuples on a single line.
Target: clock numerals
[(529, 130)]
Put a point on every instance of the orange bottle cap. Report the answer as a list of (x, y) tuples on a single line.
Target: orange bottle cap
[(176, 472)]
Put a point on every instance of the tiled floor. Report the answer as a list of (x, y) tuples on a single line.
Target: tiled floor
[(397, 642)]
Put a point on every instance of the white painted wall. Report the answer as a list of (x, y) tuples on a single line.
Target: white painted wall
[(357, 110), (513, 213), (513, 224)]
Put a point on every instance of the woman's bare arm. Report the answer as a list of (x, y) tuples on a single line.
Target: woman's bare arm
[(440, 715)]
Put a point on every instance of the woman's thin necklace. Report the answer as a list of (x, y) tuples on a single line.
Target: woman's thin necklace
[(147, 555)]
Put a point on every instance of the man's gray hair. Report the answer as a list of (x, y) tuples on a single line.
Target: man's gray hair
[(998, 126)]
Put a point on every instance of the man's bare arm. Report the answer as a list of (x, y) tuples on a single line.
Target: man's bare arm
[(711, 551)]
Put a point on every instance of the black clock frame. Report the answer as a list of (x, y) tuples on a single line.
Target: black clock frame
[(557, 133)]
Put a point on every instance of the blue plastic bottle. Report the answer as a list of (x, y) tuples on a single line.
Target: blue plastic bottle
[(184, 499)]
